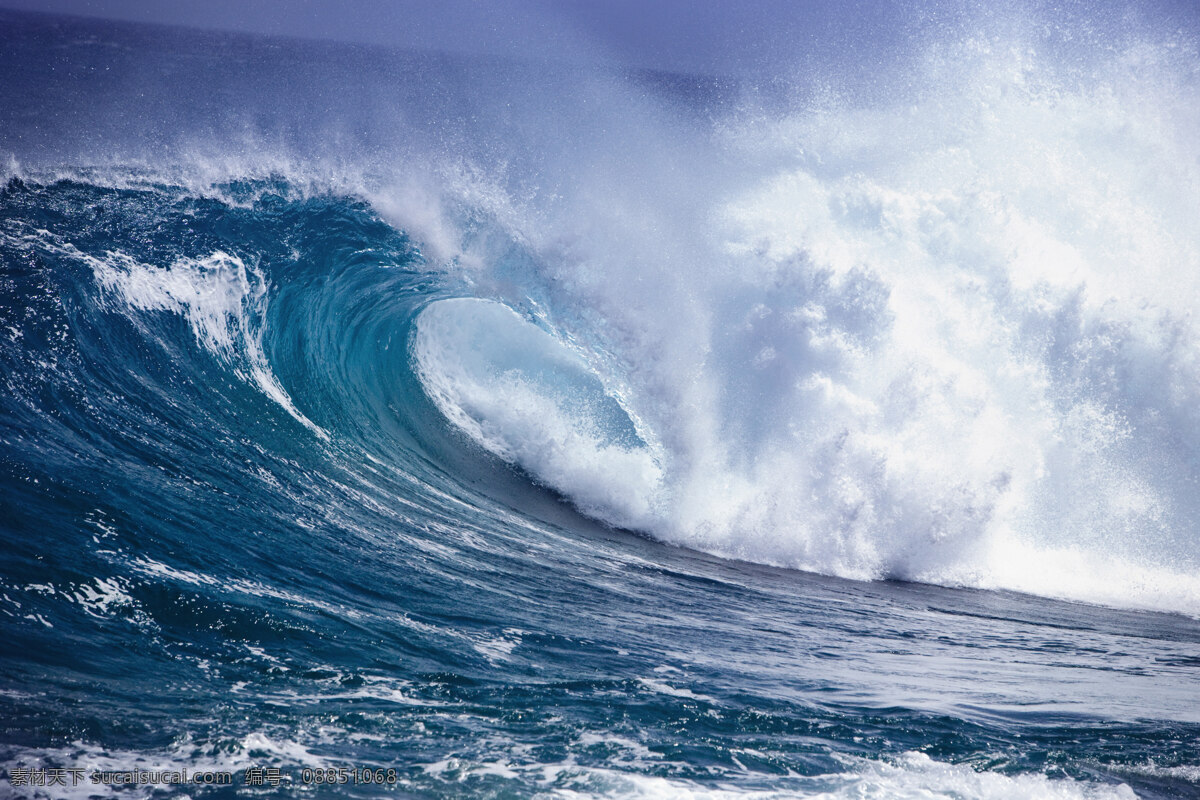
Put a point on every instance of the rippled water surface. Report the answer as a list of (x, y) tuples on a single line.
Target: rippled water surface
[(581, 432)]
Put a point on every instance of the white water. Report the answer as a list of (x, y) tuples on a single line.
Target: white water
[(938, 329), (528, 399), (946, 336), (219, 297), (906, 776), (909, 776)]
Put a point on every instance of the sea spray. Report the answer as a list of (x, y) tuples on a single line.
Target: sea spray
[(931, 337), (319, 365)]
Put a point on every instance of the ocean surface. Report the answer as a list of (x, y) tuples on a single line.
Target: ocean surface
[(514, 428)]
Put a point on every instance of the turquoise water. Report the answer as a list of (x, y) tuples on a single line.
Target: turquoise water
[(750, 444)]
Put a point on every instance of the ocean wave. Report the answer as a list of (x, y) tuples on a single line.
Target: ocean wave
[(523, 437)]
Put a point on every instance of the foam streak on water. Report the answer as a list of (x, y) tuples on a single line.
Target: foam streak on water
[(561, 429)]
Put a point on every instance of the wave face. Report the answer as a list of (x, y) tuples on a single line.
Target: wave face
[(571, 431), (938, 337)]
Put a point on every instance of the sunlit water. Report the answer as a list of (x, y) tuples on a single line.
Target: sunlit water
[(546, 429)]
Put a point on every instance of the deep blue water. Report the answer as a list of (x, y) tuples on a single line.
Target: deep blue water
[(590, 433)]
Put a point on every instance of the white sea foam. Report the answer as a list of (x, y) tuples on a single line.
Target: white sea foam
[(160, 571), (527, 398), (233, 756), (947, 336), (662, 687), (219, 296), (906, 776), (909, 776)]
